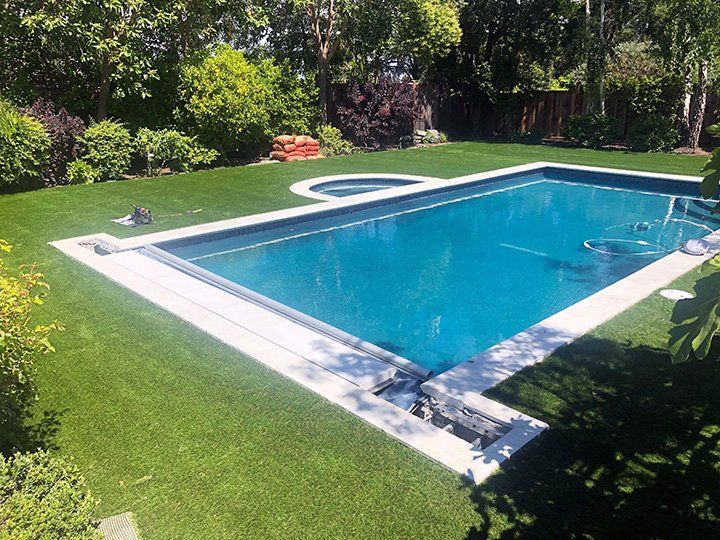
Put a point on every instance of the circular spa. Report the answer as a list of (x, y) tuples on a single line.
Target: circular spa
[(331, 187)]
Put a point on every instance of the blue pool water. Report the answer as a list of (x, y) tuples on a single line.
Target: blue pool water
[(441, 278), (353, 186)]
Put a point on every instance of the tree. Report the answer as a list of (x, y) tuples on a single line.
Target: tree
[(232, 101), (111, 38), (324, 18), (607, 23), (196, 24), (636, 73), (510, 46), (416, 33), (687, 33), (405, 35), (596, 63), (38, 63), (88, 56)]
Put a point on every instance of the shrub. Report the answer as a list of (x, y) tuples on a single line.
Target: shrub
[(64, 130), (79, 172), (44, 497), (236, 105), (637, 75), (375, 114), (169, 148), (24, 149), (433, 136), (293, 101), (534, 136), (652, 133), (332, 142), (426, 30), (21, 341), (107, 147), (593, 130)]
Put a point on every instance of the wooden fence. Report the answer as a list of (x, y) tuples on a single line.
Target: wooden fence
[(545, 111)]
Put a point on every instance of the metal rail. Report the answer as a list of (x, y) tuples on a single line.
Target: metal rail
[(289, 313)]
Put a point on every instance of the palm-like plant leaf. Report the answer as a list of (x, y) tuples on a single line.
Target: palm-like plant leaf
[(698, 318), (711, 182)]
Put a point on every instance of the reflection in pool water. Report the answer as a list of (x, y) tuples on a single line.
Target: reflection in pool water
[(353, 186), (440, 278)]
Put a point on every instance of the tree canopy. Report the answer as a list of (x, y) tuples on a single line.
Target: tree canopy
[(105, 57)]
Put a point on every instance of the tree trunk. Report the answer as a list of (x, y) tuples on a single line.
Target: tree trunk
[(684, 110), (326, 42), (104, 92), (184, 37), (322, 86), (601, 61), (587, 97), (594, 100), (587, 15), (684, 120), (185, 27), (699, 101)]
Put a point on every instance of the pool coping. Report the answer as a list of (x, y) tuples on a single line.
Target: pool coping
[(460, 386), (361, 199), (304, 187)]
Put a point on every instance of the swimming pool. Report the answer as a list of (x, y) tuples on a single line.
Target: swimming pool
[(468, 249), (441, 277)]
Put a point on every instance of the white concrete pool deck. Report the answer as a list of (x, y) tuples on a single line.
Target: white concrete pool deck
[(304, 188), (309, 359), (343, 374)]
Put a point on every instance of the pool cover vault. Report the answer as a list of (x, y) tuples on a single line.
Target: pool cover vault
[(404, 305)]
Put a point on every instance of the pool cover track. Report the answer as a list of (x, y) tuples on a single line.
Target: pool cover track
[(348, 371)]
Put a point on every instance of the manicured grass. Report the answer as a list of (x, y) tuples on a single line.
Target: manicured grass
[(200, 442), (634, 445)]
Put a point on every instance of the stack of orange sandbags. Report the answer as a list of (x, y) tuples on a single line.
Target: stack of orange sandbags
[(295, 148), (310, 146)]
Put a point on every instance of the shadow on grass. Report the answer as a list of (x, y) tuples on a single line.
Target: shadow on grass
[(27, 433), (633, 450)]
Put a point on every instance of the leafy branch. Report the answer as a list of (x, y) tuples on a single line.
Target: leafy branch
[(698, 318), (711, 182)]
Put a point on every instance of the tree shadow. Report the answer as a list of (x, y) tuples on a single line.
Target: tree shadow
[(632, 451), (26, 432)]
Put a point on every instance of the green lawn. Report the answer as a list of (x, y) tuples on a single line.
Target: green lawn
[(200, 442)]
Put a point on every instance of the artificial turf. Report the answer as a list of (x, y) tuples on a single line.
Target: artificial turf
[(200, 442)]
